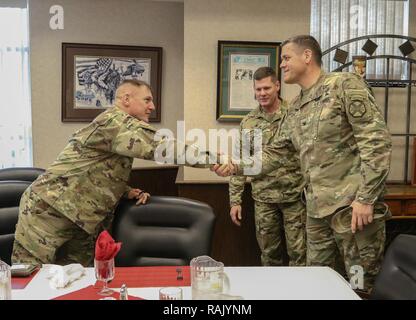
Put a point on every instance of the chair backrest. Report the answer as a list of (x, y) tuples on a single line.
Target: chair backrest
[(10, 194), (21, 174), (165, 231), (397, 278)]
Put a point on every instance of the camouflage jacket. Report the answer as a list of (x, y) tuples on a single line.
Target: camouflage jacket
[(281, 185), (343, 143), (90, 175)]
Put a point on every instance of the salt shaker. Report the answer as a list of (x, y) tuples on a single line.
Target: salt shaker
[(123, 293), (5, 281)]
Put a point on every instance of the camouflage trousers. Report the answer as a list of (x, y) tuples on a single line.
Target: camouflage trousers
[(270, 220), (364, 249), (44, 235)]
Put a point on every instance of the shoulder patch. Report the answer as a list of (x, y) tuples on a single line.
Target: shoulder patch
[(357, 109), (357, 106)]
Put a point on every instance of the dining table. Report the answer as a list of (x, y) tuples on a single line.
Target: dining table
[(144, 283)]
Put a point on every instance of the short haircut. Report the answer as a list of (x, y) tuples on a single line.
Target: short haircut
[(264, 72), (136, 83), (307, 42), (133, 82)]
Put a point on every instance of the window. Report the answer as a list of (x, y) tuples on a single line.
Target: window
[(335, 21), (15, 111)]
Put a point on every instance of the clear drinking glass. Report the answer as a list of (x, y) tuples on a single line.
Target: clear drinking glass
[(170, 293), (5, 281), (104, 271)]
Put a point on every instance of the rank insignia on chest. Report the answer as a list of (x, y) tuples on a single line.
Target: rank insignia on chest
[(357, 109)]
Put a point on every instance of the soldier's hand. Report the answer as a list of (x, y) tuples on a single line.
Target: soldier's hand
[(235, 213), (224, 170), (362, 214), (140, 195)]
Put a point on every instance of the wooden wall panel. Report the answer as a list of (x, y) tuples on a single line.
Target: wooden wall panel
[(232, 245), (156, 181)]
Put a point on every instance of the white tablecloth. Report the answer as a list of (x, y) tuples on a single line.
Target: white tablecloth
[(252, 283)]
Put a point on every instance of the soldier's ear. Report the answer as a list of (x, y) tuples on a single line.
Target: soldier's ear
[(126, 99), (307, 53), (278, 85)]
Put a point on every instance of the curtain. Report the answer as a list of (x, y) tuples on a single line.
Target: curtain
[(335, 21), (15, 108)]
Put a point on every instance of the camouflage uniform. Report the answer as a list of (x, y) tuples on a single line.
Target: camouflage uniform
[(63, 211), (276, 197), (345, 151)]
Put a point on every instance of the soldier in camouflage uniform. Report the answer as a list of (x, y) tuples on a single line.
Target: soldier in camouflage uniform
[(63, 211), (277, 194), (345, 151)]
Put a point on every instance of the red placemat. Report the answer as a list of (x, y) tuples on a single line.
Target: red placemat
[(142, 277), (22, 282), (90, 293)]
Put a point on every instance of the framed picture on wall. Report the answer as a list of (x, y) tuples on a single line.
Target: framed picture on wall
[(91, 74), (237, 62)]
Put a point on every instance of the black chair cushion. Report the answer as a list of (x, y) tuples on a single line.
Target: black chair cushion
[(21, 174), (397, 278), (10, 194), (165, 231)]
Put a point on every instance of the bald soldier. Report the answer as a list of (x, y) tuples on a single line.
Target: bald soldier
[(278, 209), (345, 149), (63, 211)]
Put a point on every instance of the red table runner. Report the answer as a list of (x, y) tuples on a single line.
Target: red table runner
[(161, 276), (22, 282), (135, 277), (90, 293)]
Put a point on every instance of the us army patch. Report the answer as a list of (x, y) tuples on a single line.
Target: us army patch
[(357, 109)]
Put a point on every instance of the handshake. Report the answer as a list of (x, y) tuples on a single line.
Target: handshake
[(225, 168)]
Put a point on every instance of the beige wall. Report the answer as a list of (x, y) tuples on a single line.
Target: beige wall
[(123, 22), (188, 31), (206, 22)]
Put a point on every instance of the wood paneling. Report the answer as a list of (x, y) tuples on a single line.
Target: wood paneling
[(156, 181), (411, 207), (395, 206), (402, 201), (233, 245), (413, 168)]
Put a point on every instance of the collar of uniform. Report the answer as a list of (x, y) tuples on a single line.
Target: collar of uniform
[(260, 113), (313, 92)]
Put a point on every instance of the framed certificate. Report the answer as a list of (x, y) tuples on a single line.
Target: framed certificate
[(237, 62)]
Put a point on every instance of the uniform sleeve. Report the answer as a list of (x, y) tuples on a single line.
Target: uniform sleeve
[(237, 183), (135, 142), (372, 137), (236, 189), (142, 142), (126, 193), (273, 156)]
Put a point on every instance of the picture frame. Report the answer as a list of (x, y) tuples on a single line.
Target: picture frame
[(237, 62), (92, 72)]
